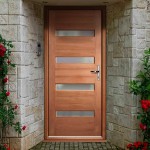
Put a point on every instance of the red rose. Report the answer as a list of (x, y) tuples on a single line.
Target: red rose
[(5, 80), (2, 50), (145, 104), (24, 127), (137, 144), (8, 61), (143, 126), (16, 107), (129, 145), (5, 145), (145, 144), (7, 93)]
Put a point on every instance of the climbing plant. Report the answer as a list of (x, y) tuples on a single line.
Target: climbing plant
[(141, 87), (7, 109)]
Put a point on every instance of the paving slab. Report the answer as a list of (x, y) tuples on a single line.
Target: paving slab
[(75, 146)]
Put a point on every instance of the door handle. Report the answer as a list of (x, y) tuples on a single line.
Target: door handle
[(97, 72), (94, 71)]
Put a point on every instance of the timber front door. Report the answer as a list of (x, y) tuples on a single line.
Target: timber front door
[(74, 75)]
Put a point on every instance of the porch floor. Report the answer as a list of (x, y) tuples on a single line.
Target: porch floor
[(74, 146)]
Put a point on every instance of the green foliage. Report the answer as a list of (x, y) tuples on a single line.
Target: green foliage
[(7, 110), (141, 86)]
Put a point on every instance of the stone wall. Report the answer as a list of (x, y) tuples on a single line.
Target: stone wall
[(22, 22), (121, 107), (128, 26)]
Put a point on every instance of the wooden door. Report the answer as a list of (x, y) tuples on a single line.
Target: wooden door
[(75, 75)]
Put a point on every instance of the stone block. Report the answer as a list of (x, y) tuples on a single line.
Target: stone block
[(130, 134), (33, 89), (17, 47), (13, 98), (41, 83), (113, 35), (33, 127), (116, 110), (141, 43), (12, 78), (14, 19), (136, 67), (109, 47), (117, 81), (22, 33), (15, 7), (124, 25), (140, 33), (118, 128), (112, 71), (128, 41), (115, 62), (16, 58), (123, 120), (110, 104), (23, 72), (9, 32), (148, 35), (109, 91), (112, 118), (3, 7), (10, 132), (110, 126), (139, 18), (118, 50), (130, 110), (37, 113), (24, 20), (117, 139), (23, 88), (15, 143), (12, 70), (29, 110), (109, 59), (39, 138), (12, 86), (139, 135), (3, 19), (131, 100), (29, 141), (141, 4)]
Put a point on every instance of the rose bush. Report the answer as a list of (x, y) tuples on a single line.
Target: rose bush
[(141, 86), (7, 109)]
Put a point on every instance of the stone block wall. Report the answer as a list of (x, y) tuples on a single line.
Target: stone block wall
[(121, 109), (22, 23), (128, 27)]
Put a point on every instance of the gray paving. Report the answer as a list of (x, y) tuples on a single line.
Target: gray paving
[(74, 146)]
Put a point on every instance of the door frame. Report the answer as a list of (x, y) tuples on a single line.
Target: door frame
[(46, 71)]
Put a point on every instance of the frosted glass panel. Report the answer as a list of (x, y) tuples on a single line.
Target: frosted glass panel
[(75, 33), (75, 113), (75, 87), (84, 60)]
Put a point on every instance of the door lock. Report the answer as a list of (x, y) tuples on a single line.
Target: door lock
[(97, 72)]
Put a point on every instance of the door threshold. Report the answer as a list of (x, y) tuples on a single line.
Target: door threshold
[(75, 139)]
